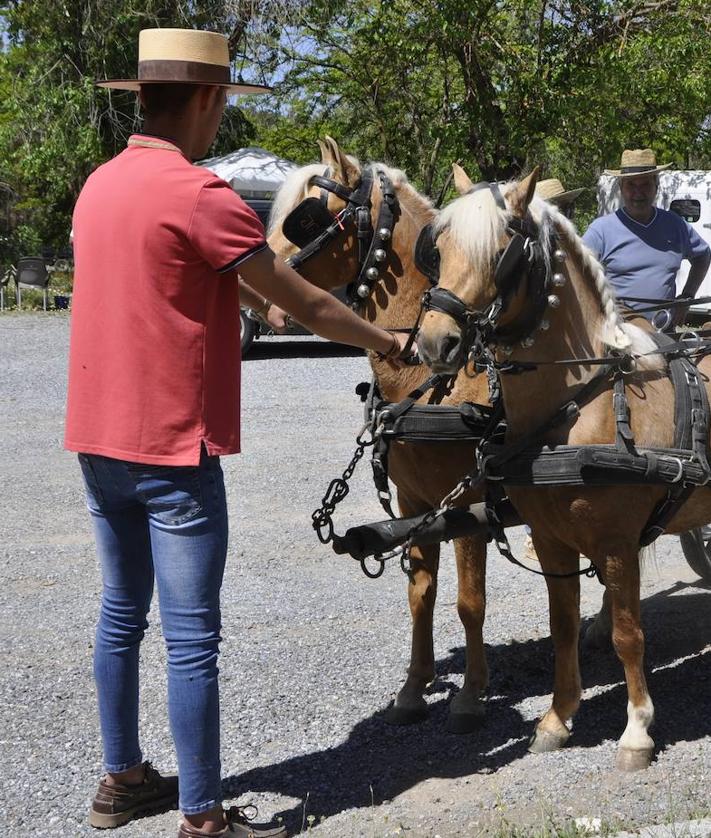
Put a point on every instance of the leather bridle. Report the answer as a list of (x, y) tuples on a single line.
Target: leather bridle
[(311, 226), (523, 259)]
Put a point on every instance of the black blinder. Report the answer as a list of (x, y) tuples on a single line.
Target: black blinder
[(427, 255), (510, 263), (306, 222)]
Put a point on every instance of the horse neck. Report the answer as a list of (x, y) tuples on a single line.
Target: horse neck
[(530, 398)]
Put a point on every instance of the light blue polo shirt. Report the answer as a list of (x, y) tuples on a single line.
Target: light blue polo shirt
[(642, 260)]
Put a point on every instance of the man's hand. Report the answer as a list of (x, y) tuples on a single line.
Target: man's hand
[(678, 315), (277, 319), (396, 358)]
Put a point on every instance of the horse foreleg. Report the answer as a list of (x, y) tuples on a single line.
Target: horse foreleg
[(564, 603), (409, 705), (636, 747), (466, 710)]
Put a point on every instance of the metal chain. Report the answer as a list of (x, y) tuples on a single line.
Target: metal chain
[(469, 481), (338, 488)]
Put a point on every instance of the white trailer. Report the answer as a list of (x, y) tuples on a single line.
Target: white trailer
[(685, 192)]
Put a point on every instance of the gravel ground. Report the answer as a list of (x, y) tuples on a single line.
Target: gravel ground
[(313, 650)]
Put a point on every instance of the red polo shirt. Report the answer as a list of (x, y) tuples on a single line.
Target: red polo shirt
[(154, 362)]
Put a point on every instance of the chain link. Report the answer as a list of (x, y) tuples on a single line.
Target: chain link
[(468, 482), (338, 488)]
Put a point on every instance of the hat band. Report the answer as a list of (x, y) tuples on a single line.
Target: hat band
[(630, 170), (189, 72)]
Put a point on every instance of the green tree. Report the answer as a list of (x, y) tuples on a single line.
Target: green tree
[(501, 86), (56, 126)]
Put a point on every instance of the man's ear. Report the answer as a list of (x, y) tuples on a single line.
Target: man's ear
[(207, 95)]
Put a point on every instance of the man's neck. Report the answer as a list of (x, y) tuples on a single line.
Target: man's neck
[(641, 216), (175, 131)]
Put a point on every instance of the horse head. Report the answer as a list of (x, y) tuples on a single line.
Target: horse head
[(313, 200), (493, 272), (341, 224)]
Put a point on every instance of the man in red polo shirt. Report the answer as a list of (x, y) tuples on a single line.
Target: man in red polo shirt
[(153, 403)]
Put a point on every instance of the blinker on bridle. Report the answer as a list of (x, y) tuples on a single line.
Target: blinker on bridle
[(521, 259), (311, 226)]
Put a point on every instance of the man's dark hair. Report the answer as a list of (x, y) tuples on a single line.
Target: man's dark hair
[(161, 99)]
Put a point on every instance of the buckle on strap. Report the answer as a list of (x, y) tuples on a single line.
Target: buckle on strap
[(680, 468)]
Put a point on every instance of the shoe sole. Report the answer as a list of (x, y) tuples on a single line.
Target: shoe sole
[(100, 820)]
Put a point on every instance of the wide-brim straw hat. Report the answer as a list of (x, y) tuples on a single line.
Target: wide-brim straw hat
[(637, 161), (553, 190), (183, 56)]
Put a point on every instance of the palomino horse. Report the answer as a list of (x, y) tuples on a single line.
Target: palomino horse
[(423, 472), (578, 321)]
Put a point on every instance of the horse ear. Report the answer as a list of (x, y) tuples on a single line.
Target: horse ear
[(344, 169), (462, 181), (325, 157), (522, 195)]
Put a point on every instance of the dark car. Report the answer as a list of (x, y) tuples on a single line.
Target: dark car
[(251, 328)]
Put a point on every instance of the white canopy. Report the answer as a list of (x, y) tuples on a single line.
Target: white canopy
[(253, 172)]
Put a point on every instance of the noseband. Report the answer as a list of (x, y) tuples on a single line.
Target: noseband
[(311, 226), (523, 259)]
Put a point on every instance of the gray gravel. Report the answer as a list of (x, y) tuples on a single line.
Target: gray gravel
[(313, 650)]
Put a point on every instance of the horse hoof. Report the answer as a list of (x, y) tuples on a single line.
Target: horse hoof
[(544, 741), (465, 722), (633, 760), (402, 716)]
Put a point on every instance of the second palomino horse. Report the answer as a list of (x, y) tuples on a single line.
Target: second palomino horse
[(515, 276)]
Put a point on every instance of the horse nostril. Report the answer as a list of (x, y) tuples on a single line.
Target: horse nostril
[(450, 347)]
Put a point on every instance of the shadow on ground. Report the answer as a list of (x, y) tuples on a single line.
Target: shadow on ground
[(284, 348), (377, 762)]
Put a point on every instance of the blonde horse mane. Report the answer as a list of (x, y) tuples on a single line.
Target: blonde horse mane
[(291, 192), (296, 185), (476, 224), (615, 332)]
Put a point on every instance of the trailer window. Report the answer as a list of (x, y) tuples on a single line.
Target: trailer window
[(688, 208)]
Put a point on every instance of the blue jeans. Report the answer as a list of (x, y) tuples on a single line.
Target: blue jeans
[(171, 522)]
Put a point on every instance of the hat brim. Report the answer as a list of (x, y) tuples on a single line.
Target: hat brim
[(135, 86), (620, 174), (566, 197)]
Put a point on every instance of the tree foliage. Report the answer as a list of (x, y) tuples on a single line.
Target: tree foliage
[(500, 85), (56, 126)]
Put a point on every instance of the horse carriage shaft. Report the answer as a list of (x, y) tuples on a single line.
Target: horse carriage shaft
[(383, 536)]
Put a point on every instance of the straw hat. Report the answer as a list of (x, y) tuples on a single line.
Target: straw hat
[(638, 161), (185, 56), (552, 190)]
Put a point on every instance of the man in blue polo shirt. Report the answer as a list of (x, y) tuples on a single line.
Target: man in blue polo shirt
[(641, 246)]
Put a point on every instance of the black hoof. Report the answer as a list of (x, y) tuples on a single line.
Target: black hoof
[(465, 722), (402, 716)]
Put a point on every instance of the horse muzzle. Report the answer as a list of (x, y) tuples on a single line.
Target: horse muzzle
[(440, 344)]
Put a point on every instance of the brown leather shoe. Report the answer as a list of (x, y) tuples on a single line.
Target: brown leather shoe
[(114, 805), (238, 825)]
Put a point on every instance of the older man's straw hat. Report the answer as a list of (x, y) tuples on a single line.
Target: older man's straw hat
[(552, 190), (638, 161), (185, 56)]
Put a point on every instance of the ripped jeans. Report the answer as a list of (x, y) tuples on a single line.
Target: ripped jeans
[(169, 522)]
